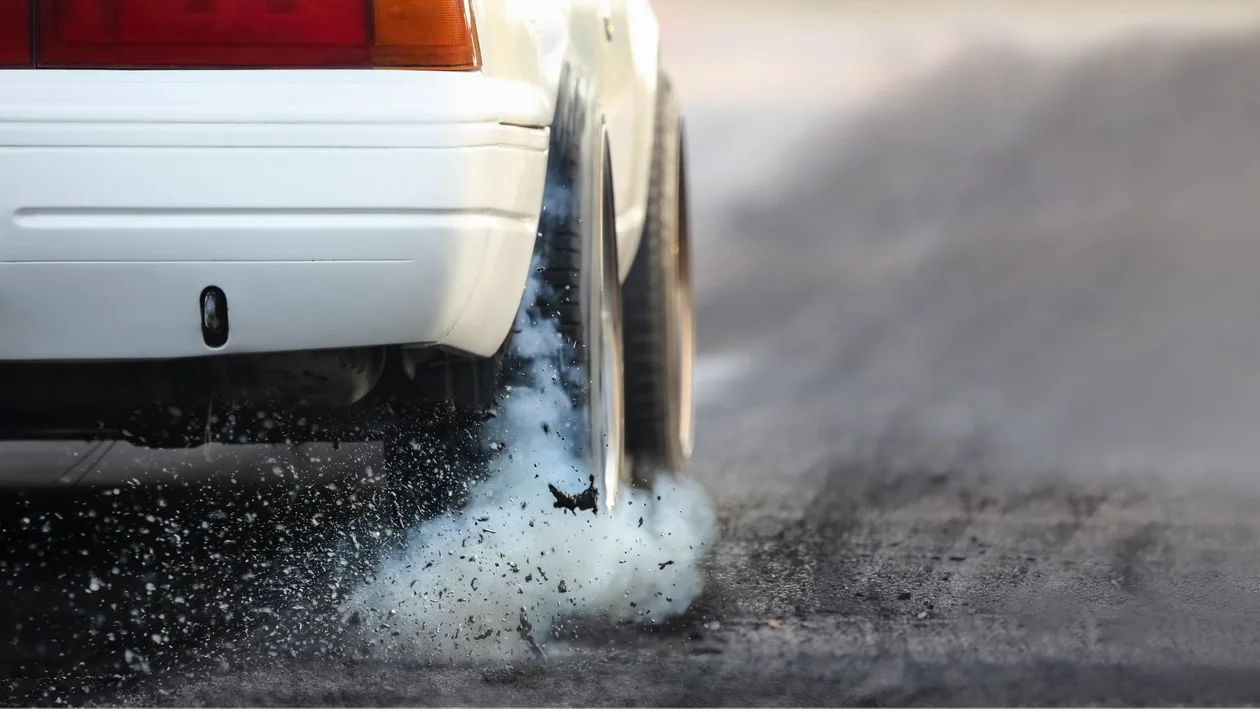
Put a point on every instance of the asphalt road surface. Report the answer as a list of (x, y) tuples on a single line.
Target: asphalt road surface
[(979, 390)]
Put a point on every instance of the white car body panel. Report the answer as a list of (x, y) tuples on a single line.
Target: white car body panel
[(335, 208), (530, 41)]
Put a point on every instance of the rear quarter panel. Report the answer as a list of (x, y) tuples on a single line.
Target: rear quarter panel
[(531, 40)]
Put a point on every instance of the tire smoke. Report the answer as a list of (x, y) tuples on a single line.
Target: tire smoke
[(491, 579)]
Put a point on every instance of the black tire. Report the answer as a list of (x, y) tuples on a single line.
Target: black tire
[(659, 331), (577, 254)]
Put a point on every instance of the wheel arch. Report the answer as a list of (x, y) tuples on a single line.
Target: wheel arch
[(542, 44)]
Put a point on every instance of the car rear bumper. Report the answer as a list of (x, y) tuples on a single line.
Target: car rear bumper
[(332, 214)]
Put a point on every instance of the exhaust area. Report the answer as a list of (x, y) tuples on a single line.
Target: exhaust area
[(491, 579)]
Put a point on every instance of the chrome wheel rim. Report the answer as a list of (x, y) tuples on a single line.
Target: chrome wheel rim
[(684, 317), (602, 335)]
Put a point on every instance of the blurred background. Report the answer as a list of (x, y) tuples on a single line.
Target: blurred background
[(979, 314), (1027, 226)]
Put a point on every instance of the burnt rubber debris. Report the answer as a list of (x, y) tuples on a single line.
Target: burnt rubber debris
[(526, 630), (588, 499)]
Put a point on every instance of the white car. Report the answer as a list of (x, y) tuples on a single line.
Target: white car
[(314, 220)]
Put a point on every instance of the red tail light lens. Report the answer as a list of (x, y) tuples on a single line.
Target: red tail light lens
[(204, 33), (15, 33)]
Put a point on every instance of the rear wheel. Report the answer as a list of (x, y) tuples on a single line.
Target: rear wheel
[(659, 324), (582, 293)]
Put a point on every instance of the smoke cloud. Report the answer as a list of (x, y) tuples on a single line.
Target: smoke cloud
[(490, 579)]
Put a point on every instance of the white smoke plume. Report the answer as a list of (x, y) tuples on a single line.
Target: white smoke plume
[(488, 581)]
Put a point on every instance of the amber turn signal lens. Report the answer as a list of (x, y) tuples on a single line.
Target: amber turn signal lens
[(425, 34)]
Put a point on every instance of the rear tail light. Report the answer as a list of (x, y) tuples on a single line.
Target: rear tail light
[(15, 33), (421, 34), (425, 33), (203, 33)]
